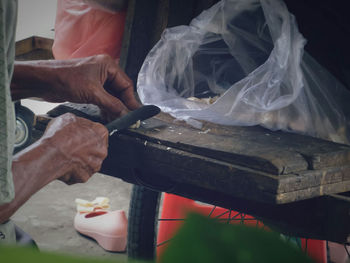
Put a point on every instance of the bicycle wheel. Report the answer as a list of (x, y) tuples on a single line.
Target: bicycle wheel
[(144, 241), (24, 125), (142, 226), (144, 218)]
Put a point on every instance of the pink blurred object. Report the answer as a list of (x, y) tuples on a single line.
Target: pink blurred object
[(82, 31), (109, 229)]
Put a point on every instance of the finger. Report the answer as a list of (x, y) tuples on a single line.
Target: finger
[(101, 131), (93, 142), (65, 178), (123, 87), (79, 175), (95, 164), (127, 96), (58, 123), (110, 104), (93, 159)]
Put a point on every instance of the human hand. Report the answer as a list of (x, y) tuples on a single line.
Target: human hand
[(81, 145), (94, 80), (97, 79), (72, 149)]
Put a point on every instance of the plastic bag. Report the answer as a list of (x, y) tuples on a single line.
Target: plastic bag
[(250, 54), (81, 31)]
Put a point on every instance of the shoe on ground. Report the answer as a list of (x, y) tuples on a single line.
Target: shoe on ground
[(108, 228)]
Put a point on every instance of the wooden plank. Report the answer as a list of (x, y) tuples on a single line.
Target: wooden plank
[(249, 152), (291, 188), (140, 34), (127, 34), (317, 153), (313, 178), (232, 159), (183, 167), (311, 192), (161, 20), (188, 168), (34, 48), (326, 218)]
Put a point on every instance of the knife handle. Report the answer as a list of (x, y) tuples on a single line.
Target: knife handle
[(132, 117)]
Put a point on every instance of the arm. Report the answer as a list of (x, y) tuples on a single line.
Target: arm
[(71, 149), (108, 5), (98, 80)]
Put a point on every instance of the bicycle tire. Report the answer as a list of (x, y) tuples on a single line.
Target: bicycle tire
[(24, 125), (143, 220), (143, 224)]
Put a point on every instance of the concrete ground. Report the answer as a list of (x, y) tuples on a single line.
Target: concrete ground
[(48, 215)]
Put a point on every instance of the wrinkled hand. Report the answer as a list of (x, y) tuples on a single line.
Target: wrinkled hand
[(82, 146), (71, 149), (98, 80)]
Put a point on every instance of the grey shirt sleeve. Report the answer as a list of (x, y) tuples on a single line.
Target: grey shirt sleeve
[(8, 18)]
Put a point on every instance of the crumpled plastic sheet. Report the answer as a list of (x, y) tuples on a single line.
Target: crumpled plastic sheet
[(251, 54)]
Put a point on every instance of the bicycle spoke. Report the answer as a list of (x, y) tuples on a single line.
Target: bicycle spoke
[(171, 219), (229, 217), (306, 240), (242, 218), (346, 249), (164, 242), (224, 213), (257, 224), (212, 210)]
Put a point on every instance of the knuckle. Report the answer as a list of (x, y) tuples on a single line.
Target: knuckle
[(129, 80), (101, 130), (68, 116), (97, 167), (104, 154)]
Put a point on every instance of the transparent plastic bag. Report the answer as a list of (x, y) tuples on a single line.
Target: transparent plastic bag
[(251, 55)]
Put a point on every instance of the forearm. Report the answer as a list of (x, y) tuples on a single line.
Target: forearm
[(32, 78), (32, 169), (108, 5)]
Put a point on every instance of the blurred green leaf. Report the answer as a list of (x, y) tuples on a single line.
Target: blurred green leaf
[(29, 255), (202, 239)]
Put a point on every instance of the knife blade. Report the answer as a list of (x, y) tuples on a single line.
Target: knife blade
[(131, 118)]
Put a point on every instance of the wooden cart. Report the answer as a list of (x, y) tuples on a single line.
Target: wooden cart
[(296, 183)]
